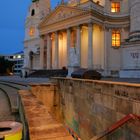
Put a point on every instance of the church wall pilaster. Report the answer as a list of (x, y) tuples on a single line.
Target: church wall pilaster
[(78, 42), (68, 45), (56, 50), (48, 51), (42, 49), (90, 46), (107, 39)]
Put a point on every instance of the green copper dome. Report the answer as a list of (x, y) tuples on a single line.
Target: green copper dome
[(35, 0)]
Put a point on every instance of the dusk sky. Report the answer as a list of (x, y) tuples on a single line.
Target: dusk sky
[(12, 19)]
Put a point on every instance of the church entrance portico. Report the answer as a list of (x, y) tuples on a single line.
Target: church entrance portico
[(75, 47), (56, 50), (74, 42), (82, 34)]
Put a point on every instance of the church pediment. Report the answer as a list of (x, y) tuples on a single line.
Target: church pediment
[(62, 13)]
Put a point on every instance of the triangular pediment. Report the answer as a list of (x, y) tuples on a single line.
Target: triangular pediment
[(61, 13)]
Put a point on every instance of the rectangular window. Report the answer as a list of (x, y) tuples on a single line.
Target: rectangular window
[(115, 7), (116, 38)]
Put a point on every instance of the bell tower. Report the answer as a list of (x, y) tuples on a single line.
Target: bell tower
[(38, 10), (44, 8)]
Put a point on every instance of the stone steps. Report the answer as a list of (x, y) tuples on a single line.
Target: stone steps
[(49, 73), (42, 126)]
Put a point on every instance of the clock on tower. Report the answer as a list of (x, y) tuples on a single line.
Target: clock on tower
[(31, 31)]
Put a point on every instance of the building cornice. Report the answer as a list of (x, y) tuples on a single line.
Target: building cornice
[(83, 17), (31, 39)]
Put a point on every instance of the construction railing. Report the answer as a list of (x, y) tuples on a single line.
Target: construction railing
[(116, 125)]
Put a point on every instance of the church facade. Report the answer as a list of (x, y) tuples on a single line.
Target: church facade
[(96, 34)]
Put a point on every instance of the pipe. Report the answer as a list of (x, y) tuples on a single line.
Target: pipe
[(10, 130)]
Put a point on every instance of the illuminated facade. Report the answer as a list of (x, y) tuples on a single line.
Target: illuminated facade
[(88, 34)]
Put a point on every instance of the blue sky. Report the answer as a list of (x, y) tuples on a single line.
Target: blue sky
[(12, 19)]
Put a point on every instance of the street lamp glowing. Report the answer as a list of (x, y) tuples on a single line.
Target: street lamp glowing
[(19, 56)]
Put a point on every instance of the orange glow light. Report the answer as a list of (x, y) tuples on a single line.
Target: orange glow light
[(32, 31), (116, 38), (115, 7)]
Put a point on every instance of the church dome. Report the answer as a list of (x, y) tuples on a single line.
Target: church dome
[(73, 1), (35, 0)]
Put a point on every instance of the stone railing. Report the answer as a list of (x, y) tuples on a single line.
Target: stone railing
[(89, 5)]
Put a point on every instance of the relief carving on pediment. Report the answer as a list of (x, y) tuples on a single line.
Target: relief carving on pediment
[(63, 14)]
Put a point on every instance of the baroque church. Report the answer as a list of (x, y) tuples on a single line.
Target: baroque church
[(95, 34)]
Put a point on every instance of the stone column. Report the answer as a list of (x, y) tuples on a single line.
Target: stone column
[(56, 51), (122, 35), (78, 42), (105, 50), (48, 51), (90, 46), (68, 45), (108, 44), (42, 45)]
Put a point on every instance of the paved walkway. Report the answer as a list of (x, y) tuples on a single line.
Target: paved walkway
[(44, 80), (24, 80), (41, 124)]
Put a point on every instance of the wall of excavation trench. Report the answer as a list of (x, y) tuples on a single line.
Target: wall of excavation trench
[(90, 107)]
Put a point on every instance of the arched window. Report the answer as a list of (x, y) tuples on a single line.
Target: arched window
[(116, 38), (33, 12)]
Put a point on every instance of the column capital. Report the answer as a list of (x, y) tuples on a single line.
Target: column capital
[(56, 32), (78, 26), (90, 24), (42, 36), (106, 28), (68, 32), (68, 29), (110, 30), (48, 37), (122, 29), (101, 27), (49, 34)]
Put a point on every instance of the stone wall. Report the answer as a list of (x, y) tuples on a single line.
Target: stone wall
[(90, 107), (45, 93)]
